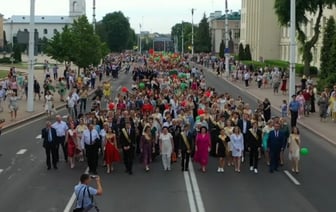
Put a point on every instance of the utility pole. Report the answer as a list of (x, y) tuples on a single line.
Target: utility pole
[(182, 49), (30, 99), (292, 49), (94, 16), (192, 31), (140, 40), (227, 38)]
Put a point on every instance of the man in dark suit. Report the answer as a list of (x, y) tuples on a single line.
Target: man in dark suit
[(253, 141), (185, 145), (244, 124), (50, 144), (275, 144), (127, 141)]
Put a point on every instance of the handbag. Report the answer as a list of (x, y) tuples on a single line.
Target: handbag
[(174, 157)]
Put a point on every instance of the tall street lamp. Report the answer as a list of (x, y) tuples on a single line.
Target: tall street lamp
[(30, 99), (94, 16), (192, 31), (182, 47), (140, 40), (292, 49), (227, 38)]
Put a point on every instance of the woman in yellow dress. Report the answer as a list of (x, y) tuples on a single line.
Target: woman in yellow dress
[(107, 90)]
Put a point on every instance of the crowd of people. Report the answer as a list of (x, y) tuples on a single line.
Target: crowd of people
[(171, 112)]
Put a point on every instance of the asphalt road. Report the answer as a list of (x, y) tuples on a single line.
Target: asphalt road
[(28, 186)]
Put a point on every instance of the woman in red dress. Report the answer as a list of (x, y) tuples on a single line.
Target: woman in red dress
[(111, 151), (284, 85), (71, 138)]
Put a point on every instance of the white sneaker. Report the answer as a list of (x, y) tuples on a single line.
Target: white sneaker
[(251, 168), (242, 159), (219, 170), (222, 170), (256, 171)]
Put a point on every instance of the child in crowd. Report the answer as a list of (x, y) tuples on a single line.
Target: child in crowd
[(284, 108)]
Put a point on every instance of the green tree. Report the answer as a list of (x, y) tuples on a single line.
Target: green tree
[(17, 53), (203, 38), (177, 30), (115, 30), (327, 67), (247, 53), (221, 49), (304, 8), (241, 52)]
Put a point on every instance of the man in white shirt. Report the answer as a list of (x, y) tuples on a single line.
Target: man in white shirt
[(61, 128), (90, 140)]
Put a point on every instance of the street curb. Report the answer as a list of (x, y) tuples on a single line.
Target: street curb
[(329, 140), (36, 116)]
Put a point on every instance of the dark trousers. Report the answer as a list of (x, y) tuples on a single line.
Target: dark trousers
[(83, 105), (274, 159), (61, 142), (51, 152), (254, 157), (93, 83), (185, 160), (246, 83), (128, 159), (92, 157), (294, 116)]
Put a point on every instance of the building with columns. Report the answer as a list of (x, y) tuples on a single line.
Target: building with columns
[(217, 30), (45, 26), (260, 29), (1, 32)]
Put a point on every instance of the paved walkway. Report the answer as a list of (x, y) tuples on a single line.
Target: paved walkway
[(313, 123), (22, 114)]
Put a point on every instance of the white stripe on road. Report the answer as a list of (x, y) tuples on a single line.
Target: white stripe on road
[(39, 136), (292, 178), (1, 170), (72, 199), (190, 194), (197, 193), (21, 151)]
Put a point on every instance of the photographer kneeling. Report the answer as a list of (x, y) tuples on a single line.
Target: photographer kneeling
[(85, 193)]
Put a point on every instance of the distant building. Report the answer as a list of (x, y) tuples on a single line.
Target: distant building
[(2, 42), (260, 29), (163, 44), (217, 30), (45, 26)]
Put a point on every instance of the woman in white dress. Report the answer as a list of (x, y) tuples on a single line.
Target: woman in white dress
[(48, 106), (294, 149), (166, 148), (81, 127), (237, 141)]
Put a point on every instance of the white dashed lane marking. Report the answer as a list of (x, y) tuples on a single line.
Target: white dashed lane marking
[(39, 136), (21, 151), (1, 170)]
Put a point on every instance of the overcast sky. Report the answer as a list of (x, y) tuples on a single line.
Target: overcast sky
[(154, 15)]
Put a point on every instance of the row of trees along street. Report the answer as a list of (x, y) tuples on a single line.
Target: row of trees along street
[(79, 43)]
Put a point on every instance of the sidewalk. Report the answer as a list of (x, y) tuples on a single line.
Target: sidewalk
[(22, 114), (312, 122)]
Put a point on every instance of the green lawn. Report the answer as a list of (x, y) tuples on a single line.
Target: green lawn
[(3, 74)]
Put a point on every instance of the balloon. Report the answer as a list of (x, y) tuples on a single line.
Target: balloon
[(198, 118), (200, 112), (124, 90), (207, 93), (111, 106), (142, 85), (304, 151), (183, 86)]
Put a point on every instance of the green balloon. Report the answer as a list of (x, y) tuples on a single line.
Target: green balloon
[(198, 118), (304, 151), (142, 85), (184, 86)]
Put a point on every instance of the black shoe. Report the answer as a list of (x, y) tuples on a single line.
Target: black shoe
[(186, 169), (130, 173), (95, 172), (55, 167), (49, 168)]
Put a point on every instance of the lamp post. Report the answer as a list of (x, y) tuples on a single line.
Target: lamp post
[(192, 31), (30, 99), (182, 47), (292, 49), (227, 38), (140, 39), (94, 16)]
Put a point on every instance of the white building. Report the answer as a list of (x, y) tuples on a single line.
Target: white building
[(45, 25)]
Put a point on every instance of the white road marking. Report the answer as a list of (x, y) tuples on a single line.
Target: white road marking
[(1, 170), (190, 194), (65, 116), (292, 178), (197, 193), (23, 125), (72, 199), (21, 151), (39, 136)]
